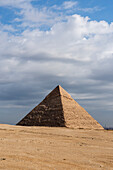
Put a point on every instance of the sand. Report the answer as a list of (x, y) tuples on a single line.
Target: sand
[(41, 148)]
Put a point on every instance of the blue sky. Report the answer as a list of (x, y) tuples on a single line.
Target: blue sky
[(46, 43), (95, 10)]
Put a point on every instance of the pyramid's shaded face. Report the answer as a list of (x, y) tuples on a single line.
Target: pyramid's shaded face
[(59, 109), (48, 113)]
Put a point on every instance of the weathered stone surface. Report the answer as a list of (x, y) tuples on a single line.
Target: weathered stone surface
[(59, 109)]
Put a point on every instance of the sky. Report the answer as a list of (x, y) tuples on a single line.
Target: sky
[(48, 43)]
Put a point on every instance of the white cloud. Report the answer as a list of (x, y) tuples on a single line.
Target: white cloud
[(89, 10), (34, 17), (78, 39), (6, 27), (13, 3), (69, 4)]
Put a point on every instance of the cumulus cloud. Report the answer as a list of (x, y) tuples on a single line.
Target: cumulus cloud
[(76, 42)]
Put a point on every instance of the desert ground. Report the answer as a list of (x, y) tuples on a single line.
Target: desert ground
[(50, 148)]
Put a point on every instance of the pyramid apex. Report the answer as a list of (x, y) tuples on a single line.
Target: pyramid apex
[(62, 91), (59, 86)]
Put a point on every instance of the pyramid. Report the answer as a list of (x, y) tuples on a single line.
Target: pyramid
[(59, 109)]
